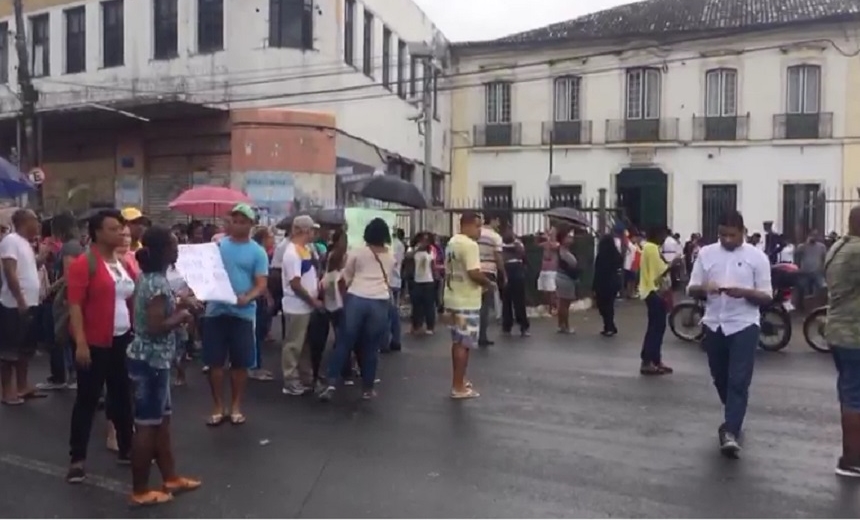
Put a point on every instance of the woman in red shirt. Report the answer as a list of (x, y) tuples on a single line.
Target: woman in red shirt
[(100, 287)]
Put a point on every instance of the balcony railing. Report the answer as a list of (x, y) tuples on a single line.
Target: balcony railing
[(497, 134), (566, 132), (803, 126), (723, 128), (641, 130)]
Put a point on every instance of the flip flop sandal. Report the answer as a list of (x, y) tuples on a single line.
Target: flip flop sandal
[(181, 485), (468, 394), (150, 498), (468, 384), (34, 394), (14, 402), (237, 419), (216, 420)]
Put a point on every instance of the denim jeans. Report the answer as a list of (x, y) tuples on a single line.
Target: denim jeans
[(365, 323), (731, 359), (488, 304), (652, 344)]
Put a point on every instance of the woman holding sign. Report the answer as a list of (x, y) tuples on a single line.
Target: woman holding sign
[(158, 318)]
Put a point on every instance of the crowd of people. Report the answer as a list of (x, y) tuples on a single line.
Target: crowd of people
[(120, 322)]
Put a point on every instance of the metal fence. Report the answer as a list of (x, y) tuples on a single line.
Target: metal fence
[(830, 210)]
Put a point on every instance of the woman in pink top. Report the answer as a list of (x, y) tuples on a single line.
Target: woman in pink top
[(548, 268)]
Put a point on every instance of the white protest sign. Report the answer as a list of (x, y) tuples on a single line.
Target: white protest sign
[(203, 269)]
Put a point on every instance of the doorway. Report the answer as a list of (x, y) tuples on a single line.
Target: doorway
[(643, 194)]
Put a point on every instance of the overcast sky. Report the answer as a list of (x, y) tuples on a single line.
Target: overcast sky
[(487, 19)]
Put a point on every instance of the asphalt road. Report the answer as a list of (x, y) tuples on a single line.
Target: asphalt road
[(565, 428)]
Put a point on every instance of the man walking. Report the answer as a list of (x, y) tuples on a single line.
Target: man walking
[(301, 298), (464, 283), (228, 329), (734, 277), (490, 249), (19, 303), (842, 269)]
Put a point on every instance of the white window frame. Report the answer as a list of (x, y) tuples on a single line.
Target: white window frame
[(638, 105), (725, 81), (498, 104), (567, 98), (803, 104)]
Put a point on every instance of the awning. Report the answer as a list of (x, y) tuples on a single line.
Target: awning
[(110, 115)]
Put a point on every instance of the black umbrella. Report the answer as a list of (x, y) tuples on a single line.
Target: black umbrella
[(389, 188), (325, 217), (570, 215)]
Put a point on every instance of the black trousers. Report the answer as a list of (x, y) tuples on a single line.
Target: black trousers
[(423, 298), (514, 303), (107, 369), (604, 300)]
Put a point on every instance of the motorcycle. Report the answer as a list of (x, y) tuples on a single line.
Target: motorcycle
[(813, 330), (776, 329)]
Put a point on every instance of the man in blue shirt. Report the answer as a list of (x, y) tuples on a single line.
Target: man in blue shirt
[(228, 329)]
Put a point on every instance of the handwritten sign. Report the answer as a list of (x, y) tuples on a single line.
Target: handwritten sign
[(358, 218), (203, 270)]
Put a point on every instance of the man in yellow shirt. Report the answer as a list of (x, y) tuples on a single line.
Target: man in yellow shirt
[(464, 287), (137, 223), (653, 285)]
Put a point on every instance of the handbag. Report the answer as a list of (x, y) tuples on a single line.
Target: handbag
[(384, 276)]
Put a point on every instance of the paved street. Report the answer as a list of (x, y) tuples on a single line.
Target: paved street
[(565, 427)]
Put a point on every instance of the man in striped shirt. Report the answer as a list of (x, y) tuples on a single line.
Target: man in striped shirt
[(490, 248)]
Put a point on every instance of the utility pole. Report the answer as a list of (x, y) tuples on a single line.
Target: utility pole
[(428, 106), (28, 95)]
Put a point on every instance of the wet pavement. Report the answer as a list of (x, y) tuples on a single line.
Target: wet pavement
[(565, 427)]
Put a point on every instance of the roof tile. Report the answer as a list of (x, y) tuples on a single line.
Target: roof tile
[(684, 16)]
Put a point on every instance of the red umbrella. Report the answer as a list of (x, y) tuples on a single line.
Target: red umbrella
[(208, 201)]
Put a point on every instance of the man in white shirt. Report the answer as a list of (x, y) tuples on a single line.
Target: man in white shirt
[(19, 302), (734, 278), (301, 298), (395, 281), (490, 247)]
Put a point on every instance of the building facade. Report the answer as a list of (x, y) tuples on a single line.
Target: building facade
[(752, 109), (327, 90)]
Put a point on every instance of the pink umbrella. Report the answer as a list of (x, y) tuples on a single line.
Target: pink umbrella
[(208, 201)]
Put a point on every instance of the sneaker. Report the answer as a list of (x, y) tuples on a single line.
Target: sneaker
[(327, 394), (51, 386), (843, 469), (729, 445), (123, 460), (76, 475), (367, 395), (294, 389)]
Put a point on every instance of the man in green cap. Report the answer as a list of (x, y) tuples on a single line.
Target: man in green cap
[(228, 329)]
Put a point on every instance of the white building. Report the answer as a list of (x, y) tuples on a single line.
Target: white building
[(679, 114), (350, 59)]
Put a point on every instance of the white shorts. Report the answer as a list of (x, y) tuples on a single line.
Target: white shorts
[(546, 281)]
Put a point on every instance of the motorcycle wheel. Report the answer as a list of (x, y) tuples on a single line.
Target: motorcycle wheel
[(813, 326), (686, 311), (775, 325)]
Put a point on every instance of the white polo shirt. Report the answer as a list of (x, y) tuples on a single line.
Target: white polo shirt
[(746, 267)]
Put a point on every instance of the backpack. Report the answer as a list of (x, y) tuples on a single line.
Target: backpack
[(60, 306)]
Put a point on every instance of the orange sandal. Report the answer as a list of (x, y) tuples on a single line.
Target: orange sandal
[(150, 498), (181, 485)]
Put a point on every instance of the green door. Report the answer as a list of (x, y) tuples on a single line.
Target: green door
[(652, 187)]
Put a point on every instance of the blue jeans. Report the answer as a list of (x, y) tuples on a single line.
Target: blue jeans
[(731, 359), (394, 320), (847, 362), (365, 323), (652, 343)]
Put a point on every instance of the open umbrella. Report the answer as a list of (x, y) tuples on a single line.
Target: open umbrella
[(208, 201), (12, 181), (323, 216), (570, 215), (389, 188)]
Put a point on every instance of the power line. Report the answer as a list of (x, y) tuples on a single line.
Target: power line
[(457, 86)]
